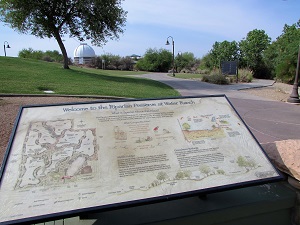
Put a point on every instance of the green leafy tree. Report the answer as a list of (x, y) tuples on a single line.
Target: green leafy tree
[(185, 60), (252, 49), (94, 20), (207, 62), (223, 51), (155, 61), (282, 54)]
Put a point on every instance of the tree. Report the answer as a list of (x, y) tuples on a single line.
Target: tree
[(207, 62), (94, 20), (224, 51), (252, 49), (282, 54), (185, 60), (114, 62), (155, 61)]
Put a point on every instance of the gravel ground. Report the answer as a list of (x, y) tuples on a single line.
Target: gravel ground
[(9, 107), (278, 92)]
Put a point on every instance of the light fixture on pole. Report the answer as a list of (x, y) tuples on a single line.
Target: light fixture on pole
[(294, 97), (7, 46), (173, 62)]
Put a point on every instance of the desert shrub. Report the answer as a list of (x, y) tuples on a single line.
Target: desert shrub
[(47, 58), (96, 62), (231, 79), (215, 79), (126, 63), (54, 55), (245, 76)]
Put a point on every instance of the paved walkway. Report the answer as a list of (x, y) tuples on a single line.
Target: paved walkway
[(268, 120)]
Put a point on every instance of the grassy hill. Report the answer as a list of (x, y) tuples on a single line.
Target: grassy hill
[(27, 76)]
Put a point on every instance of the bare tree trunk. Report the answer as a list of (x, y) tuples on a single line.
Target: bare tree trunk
[(63, 50)]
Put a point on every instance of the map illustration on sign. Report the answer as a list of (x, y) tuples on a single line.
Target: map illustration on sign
[(54, 151), (69, 158)]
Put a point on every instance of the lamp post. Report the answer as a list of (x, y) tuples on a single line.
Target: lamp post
[(294, 97), (173, 62), (7, 46)]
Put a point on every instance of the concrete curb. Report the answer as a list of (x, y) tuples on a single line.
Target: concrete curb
[(256, 86)]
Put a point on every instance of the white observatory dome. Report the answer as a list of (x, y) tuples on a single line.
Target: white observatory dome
[(84, 50), (84, 54)]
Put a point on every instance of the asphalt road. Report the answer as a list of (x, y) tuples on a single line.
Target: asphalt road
[(268, 120)]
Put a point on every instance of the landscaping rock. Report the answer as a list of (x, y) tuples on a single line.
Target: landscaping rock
[(285, 155)]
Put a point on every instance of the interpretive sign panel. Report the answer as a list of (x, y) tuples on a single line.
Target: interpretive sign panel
[(229, 67), (73, 158)]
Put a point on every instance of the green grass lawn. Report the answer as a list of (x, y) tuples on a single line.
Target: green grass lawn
[(26, 76)]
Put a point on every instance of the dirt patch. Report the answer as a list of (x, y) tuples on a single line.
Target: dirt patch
[(278, 91)]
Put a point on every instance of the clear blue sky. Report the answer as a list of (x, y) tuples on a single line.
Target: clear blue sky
[(194, 24)]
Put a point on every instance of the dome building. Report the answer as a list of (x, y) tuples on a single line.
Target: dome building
[(84, 54)]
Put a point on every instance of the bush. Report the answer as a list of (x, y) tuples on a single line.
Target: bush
[(245, 76), (54, 55), (97, 62), (215, 79), (49, 56), (155, 61), (231, 79)]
